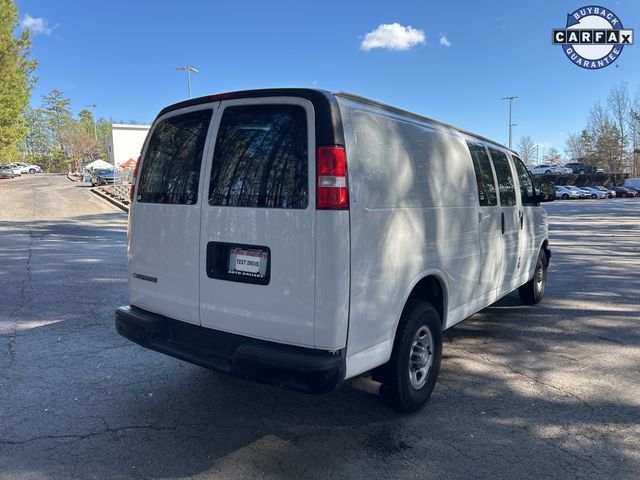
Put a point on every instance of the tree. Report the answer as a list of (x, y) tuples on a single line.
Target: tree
[(527, 150), (16, 80), (36, 146), (58, 114), (580, 148), (80, 146), (87, 122), (619, 104), (552, 156)]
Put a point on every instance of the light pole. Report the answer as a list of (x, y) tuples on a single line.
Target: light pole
[(188, 69), (511, 99), (93, 106)]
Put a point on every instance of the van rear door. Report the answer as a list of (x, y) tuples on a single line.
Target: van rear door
[(164, 222), (257, 246)]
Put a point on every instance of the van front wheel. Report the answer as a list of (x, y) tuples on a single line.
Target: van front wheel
[(533, 291), (412, 371)]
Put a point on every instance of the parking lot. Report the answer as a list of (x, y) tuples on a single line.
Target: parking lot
[(548, 391)]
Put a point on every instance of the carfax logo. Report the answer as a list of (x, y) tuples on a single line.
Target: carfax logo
[(593, 38)]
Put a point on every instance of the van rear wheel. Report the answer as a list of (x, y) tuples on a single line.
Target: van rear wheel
[(533, 291), (412, 371)]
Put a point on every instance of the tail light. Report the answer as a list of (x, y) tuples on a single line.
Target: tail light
[(332, 189), (132, 190)]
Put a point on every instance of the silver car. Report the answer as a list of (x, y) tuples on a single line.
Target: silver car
[(595, 192)]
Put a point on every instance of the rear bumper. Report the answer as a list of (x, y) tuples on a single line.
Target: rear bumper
[(297, 368)]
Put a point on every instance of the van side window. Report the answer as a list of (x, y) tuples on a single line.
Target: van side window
[(171, 165), (484, 175), (526, 185), (261, 158), (505, 178)]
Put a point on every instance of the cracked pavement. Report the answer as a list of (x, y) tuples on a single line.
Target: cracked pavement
[(550, 391)]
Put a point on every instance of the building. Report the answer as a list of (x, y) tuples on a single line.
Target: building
[(126, 142)]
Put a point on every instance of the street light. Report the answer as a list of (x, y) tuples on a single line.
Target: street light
[(188, 69), (93, 106), (511, 99)]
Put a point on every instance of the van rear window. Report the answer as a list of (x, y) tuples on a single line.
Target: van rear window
[(171, 165), (261, 158)]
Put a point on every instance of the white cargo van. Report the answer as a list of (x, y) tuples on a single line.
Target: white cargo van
[(302, 238)]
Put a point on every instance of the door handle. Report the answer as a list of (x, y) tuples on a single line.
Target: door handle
[(502, 221), (521, 219)]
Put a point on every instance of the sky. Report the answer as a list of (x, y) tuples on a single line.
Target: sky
[(453, 61)]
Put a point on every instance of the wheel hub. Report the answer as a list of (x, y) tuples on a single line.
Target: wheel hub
[(420, 357)]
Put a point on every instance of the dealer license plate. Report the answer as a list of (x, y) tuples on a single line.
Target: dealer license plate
[(248, 263)]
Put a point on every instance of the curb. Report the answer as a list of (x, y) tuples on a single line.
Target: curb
[(73, 179), (115, 202)]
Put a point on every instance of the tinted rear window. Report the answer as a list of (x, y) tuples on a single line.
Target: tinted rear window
[(261, 158), (171, 166)]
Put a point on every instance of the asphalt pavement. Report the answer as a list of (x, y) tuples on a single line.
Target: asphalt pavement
[(546, 391)]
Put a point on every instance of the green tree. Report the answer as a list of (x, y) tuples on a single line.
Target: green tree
[(58, 114), (36, 147), (86, 121), (16, 80)]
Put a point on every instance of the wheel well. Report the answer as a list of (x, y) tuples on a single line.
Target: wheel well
[(547, 252), (430, 289)]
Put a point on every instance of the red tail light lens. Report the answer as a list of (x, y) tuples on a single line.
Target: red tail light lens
[(132, 190), (332, 188)]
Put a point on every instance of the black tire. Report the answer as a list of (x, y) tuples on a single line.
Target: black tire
[(533, 291), (565, 196), (32, 171), (419, 317), (594, 196)]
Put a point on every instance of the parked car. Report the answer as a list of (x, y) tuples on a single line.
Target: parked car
[(624, 192), (546, 169), (28, 168), (219, 267), (565, 193), (581, 193), (102, 176), (634, 189), (595, 192), (17, 171), (582, 168), (6, 171), (610, 193)]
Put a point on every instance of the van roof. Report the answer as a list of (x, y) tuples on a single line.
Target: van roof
[(326, 108)]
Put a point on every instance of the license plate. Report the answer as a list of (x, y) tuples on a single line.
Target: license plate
[(248, 263)]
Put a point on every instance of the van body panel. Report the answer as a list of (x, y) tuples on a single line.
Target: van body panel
[(332, 279), (164, 241), (160, 282), (400, 176), (283, 310)]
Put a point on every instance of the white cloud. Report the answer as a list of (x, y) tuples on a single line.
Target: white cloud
[(444, 41), (36, 25), (392, 36)]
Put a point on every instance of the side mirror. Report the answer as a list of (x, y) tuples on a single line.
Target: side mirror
[(546, 193)]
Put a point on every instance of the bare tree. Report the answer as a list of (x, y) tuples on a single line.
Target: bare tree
[(619, 106), (527, 150), (553, 156), (579, 147)]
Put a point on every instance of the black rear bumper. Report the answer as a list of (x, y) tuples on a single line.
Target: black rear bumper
[(297, 368)]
